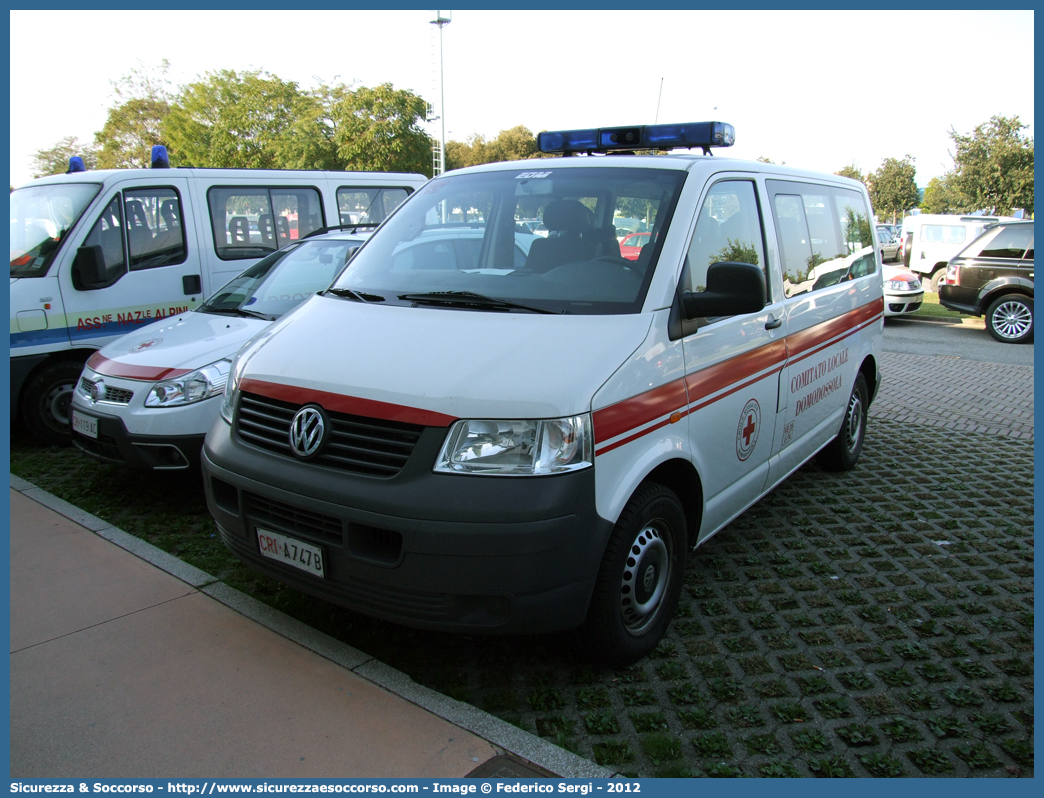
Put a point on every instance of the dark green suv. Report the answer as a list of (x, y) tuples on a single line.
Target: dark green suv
[(993, 277)]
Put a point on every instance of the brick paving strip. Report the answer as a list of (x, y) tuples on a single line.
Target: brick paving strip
[(873, 623)]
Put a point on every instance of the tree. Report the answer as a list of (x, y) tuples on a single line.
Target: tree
[(380, 129), (135, 123), (892, 187), (246, 120), (993, 167), (938, 197), (851, 171), (513, 144), (55, 161)]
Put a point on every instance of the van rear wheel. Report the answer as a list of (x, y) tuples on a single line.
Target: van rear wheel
[(640, 578), (842, 453), (47, 402)]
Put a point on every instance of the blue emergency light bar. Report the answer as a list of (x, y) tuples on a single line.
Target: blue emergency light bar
[(75, 165), (642, 137), (160, 159)]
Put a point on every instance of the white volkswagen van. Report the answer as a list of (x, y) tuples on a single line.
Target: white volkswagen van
[(147, 399), (470, 440), (95, 255)]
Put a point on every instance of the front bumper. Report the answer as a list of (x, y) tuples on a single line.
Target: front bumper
[(115, 445), (900, 303), (445, 552)]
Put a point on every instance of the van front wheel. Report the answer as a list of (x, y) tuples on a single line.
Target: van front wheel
[(640, 578), (47, 400)]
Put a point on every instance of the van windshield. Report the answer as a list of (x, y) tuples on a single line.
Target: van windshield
[(522, 240), (40, 218)]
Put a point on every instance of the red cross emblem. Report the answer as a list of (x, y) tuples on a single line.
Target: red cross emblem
[(747, 429)]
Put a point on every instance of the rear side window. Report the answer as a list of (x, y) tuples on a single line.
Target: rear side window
[(824, 235), (251, 221), (1009, 242), (943, 234), (367, 205)]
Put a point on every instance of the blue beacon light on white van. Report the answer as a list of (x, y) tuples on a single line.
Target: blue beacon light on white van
[(76, 165), (160, 159), (642, 137)]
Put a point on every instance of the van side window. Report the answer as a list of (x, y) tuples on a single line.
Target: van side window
[(107, 233), (368, 205), (250, 222), (824, 235), (728, 228), (155, 236), (943, 233)]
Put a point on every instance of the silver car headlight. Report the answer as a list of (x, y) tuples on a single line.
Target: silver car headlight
[(235, 373), (904, 285), (517, 448), (193, 387)]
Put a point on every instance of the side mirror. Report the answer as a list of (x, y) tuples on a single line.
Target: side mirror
[(732, 289), (88, 268)]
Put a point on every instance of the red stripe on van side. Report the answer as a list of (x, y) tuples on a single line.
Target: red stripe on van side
[(352, 405), (115, 368), (641, 409), (802, 342), (705, 382)]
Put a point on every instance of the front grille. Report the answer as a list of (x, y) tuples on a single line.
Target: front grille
[(118, 396), (360, 445), (284, 517), (103, 446)]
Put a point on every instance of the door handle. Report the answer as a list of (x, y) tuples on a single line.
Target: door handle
[(773, 324)]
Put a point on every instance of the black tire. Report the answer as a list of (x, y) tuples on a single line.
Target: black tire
[(936, 279), (1009, 319), (842, 453), (46, 402), (639, 580)]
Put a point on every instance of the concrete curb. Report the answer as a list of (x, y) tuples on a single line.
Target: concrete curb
[(496, 731)]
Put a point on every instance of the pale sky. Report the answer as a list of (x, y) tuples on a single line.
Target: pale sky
[(807, 88)]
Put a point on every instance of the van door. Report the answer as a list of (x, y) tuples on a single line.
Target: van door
[(829, 271), (138, 262), (732, 363)]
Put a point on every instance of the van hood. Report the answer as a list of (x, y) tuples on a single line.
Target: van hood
[(447, 362), (175, 346)]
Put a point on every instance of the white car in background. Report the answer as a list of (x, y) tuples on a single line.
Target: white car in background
[(903, 290), (147, 399)]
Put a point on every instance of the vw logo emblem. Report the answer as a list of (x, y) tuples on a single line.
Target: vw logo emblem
[(307, 431), (649, 578), (98, 391)]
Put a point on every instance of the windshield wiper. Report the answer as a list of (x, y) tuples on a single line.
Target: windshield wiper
[(468, 299), (358, 296), (254, 314)]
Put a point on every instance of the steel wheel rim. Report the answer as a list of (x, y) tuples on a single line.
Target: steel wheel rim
[(854, 422), (1012, 319), (646, 575), (56, 405)]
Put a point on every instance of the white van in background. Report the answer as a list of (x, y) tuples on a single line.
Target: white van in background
[(96, 254), (931, 239)]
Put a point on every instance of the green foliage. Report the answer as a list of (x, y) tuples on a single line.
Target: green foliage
[(938, 197), (514, 144), (55, 161), (993, 167), (229, 119), (850, 171), (135, 124), (892, 187), (379, 130)]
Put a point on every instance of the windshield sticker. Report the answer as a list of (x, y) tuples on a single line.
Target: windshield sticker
[(532, 175)]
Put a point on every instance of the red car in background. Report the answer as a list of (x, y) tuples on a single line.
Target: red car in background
[(632, 244)]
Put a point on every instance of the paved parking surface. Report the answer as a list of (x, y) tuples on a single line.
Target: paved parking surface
[(874, 623)]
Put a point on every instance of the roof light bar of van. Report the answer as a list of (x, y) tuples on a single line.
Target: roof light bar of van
[(643, 137), (76, 165), (160, 159)]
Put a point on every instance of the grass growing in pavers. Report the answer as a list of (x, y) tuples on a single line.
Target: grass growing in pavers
[(810, 640)]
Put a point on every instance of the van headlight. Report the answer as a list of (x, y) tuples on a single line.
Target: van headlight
[(193, 387), (517, 448)]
